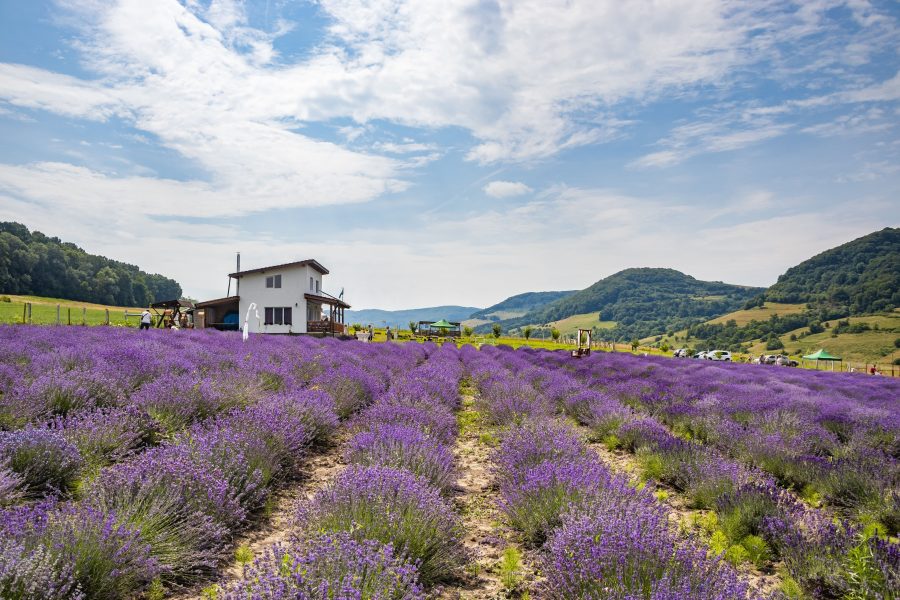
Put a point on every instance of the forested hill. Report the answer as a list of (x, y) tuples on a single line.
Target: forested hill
[(859, 277), (32, 263), (644, 302), (521, 303)]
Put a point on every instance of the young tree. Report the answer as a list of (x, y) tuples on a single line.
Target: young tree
[(554, 333), (634, 345), (527, 332), (412, 326), (497, 330), (468, 331)]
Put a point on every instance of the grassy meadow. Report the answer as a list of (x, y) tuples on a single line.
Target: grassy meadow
[(43, 311)]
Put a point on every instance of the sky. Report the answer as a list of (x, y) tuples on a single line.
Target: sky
[(433, 152)]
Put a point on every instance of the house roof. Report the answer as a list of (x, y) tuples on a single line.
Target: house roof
[(300, 263), (218, 301)]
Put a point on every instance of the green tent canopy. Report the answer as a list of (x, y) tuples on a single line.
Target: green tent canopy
[(821, 355), (442, 324)]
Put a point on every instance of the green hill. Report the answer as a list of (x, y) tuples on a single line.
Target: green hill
[(859, 277), (32, 263), (519, 305), (643, 302)]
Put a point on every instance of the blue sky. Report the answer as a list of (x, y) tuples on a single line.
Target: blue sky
[(451, 152)]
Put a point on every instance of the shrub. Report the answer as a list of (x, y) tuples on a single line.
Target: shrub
[(179, 509), (42, 458), (621, 546), (496, 329), (535, 502), (533, 443), (331, 566), (107, 435), (403, 447), (81, 546), (554, 333), (5, 299), (392, 507), (11, 485), (434, 420)]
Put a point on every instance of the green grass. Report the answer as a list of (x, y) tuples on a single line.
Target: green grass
[(43, 312), (573, 323)]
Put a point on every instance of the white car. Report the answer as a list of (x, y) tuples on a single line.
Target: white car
[(700, 355), (723, 355), (681, 353)]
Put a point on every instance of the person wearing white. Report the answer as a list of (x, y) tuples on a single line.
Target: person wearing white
[(146, 319)]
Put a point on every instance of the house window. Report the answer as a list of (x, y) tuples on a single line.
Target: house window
[(311, 284), (279, 315), (317, 286), (273, 281)]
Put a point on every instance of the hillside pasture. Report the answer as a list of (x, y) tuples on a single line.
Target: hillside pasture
[(43, 311), (572, 324), (867, 346), (760, 313)]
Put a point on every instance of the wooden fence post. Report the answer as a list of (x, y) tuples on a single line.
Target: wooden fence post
[(107, 316), (29, 314), (57, 314), (84, 315), (24, 312), (69, 309)]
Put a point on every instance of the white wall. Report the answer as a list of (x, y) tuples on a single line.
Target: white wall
[(294, 283)]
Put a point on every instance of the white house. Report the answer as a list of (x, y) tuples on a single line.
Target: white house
[(289, 299)]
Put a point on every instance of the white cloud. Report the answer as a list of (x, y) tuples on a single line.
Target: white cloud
[(506, 189)]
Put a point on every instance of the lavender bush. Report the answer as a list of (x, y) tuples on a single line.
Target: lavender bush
[(403, 447), (46, 463), (331, 567), (392, 507)]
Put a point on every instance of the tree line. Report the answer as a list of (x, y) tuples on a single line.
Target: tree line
[(32, 263)]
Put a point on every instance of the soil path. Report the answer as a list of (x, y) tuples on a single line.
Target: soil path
[(477, 501), (319, 469)]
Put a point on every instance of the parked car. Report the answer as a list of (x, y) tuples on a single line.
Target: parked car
[(784, 361), (681, 353), (723, 355), (769, 359), (700, 355)]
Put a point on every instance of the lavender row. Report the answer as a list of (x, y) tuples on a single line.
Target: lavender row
[(164, 518), (601, 538), (754, 519), (383, 528), (82, 404), (833, 438)]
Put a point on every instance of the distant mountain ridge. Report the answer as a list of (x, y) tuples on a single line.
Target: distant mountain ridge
[(520, 303), (402, 317), (642, 301)]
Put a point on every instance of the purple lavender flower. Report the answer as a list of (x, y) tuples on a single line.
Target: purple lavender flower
[(392, 507), (403, 447), (335, 566), (535, 442), (42, 458), (435, 420), (535, 501)]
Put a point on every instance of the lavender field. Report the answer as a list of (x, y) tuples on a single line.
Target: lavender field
[(145, 464)]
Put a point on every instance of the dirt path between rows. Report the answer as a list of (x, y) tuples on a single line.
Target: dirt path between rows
[(477, 501), (319, 469)]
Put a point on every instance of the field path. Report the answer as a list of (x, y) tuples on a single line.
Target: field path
[(477, 499), (316, 471)]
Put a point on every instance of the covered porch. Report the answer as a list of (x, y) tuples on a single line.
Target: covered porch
[(325, 314), (222, 314)]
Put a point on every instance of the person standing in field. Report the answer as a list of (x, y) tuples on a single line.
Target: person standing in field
[(146, 319), (371, 333)]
